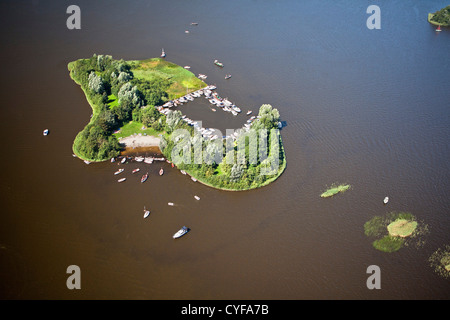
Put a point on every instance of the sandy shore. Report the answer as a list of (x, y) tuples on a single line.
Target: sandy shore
[(140, 141)]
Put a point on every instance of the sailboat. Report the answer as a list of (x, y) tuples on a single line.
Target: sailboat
[(438, 29), (163, 54)]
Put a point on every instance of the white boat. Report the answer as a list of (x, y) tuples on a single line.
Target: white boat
[(249, 112), (135, 170), (228, 76), (194, 23), (45, 132), (187, 67), (181, 232), (386, 200), (87, 162), (139, 159), (119, 171), (186, 31), (113, 160), (123, 160), (163, 54), (438, 29), (170, 203), (183, 172), (193, 179), (121, 180), (148, 160), (146, 213), (197, 197)]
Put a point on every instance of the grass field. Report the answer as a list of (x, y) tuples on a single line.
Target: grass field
[(132, 128), (183, 81)]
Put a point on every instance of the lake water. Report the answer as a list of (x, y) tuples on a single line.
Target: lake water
[(370, 108)]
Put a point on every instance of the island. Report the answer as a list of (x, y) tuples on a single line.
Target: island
[(134, 104), (440, 17)]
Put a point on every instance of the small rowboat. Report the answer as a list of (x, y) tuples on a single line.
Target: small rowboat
[(183, 172), (87, 162), (146, 213), (193, 179), (181, 232), (121, 180), (144, 177), (135, 170), (386, 200), (228, 76), (197, 197), (45, 132), (123, 160), (161, 172), (119, 171), (217, 63)]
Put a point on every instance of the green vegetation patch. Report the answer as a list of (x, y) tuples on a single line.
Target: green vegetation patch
[(333, 190), (440, 17), (440, 261), (181, 81), (395, 230)]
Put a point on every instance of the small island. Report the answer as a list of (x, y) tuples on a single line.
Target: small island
[(133, 105), (440, 17)]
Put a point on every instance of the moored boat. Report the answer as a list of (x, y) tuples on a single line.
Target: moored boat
[(45, 132), (119, 171), (123, 160), (163, 53), (144, 177), (228, 76), (121, 180), (181, 232), (135, 170), (139, 159), (161, 172), (170, 203), (87, 162), (197, 197), (386, 199), (249, 112)]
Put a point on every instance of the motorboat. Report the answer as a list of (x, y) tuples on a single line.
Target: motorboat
[(45, 132), (87, 162), (181, 232), (187, 67), (183, 172), (386, 199), (249, 112), (194, 23), (113, 160), (135, 170), (122, 180), (163, 54), (161, 172), (146, 213), (148, 160), (217, 63), (139, 159), (124, 160), (144, 177), (119, 171), (228, 76), (197, 197), (193, 179), (170, 203)]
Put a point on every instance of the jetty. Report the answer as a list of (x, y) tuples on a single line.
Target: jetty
[(210, 94)]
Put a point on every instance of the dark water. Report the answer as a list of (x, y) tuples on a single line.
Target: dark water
[(365, 107)]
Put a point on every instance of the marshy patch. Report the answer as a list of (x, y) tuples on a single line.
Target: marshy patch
[(335, 189), (395, 230), (440, 261)]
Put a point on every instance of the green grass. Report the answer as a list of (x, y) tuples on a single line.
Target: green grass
[(183, 81), (335, 190), (388, 244), (132, 128)]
